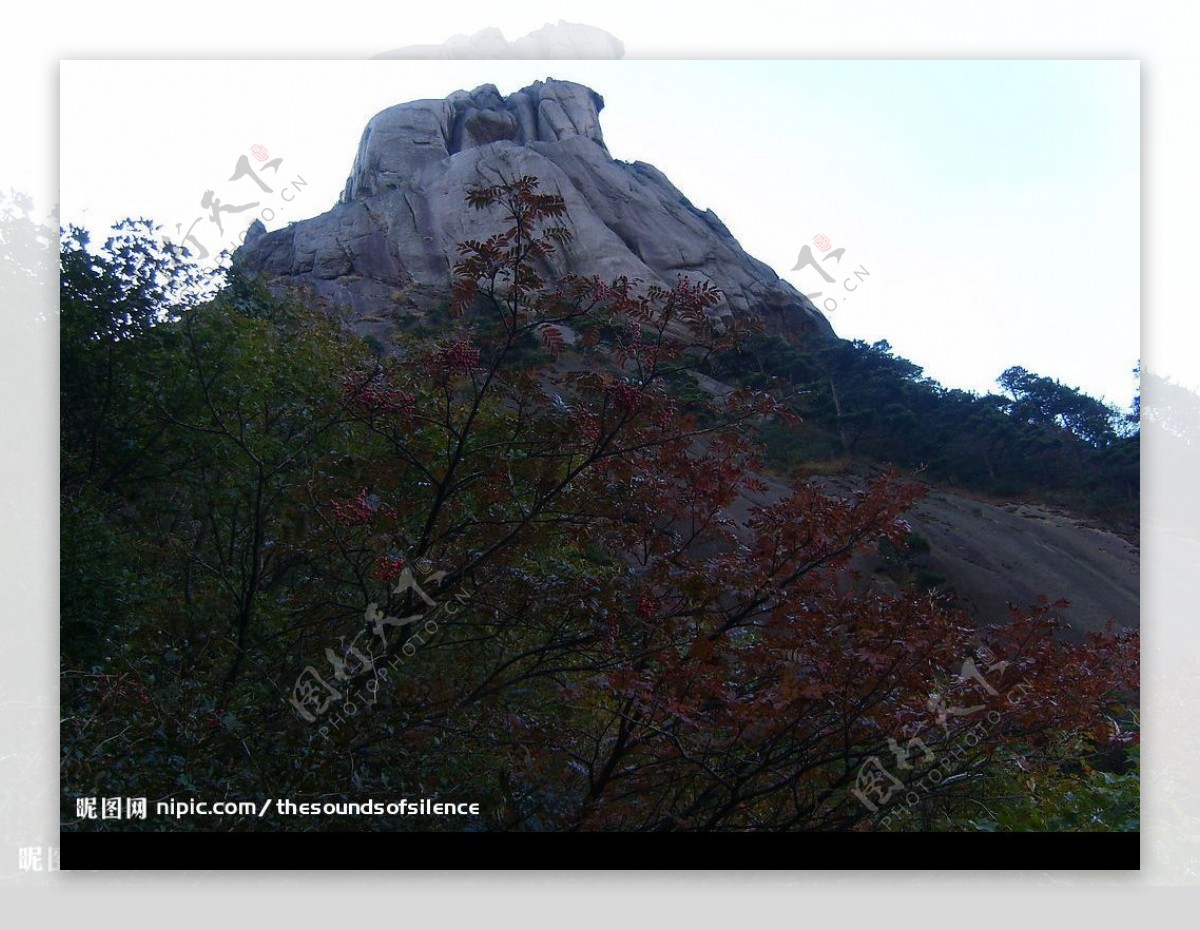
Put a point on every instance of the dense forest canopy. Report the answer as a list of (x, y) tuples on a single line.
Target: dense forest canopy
[(499, 562), (1040, 439)]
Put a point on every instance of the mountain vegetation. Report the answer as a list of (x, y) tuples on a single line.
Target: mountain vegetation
[(510, 561)]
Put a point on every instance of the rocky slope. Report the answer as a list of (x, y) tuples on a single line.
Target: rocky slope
[(388, 246), (993, 553)]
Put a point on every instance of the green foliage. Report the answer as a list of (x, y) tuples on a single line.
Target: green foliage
[(246, 488), (916, 543), (1044, 401), (190, 431), (1027, 790), (857, 400)]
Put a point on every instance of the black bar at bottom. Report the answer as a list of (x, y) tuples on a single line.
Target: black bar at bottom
[(357, 851)]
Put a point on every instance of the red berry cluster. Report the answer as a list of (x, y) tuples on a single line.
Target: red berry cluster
[(459, 358), (373, 395), (647, 606), (388, 569), (354, 511), (587, 426), (624, 396)]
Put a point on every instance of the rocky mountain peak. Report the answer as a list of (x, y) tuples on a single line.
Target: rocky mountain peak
[(388, 246), (409, 136)]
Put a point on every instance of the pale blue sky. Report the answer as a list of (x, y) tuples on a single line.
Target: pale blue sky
[(995, 204)]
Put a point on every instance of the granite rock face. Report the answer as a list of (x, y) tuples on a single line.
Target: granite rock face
[(388, 246)]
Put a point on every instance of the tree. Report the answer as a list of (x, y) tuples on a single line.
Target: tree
[(636, 655), (1041, 401), (540, 577)]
